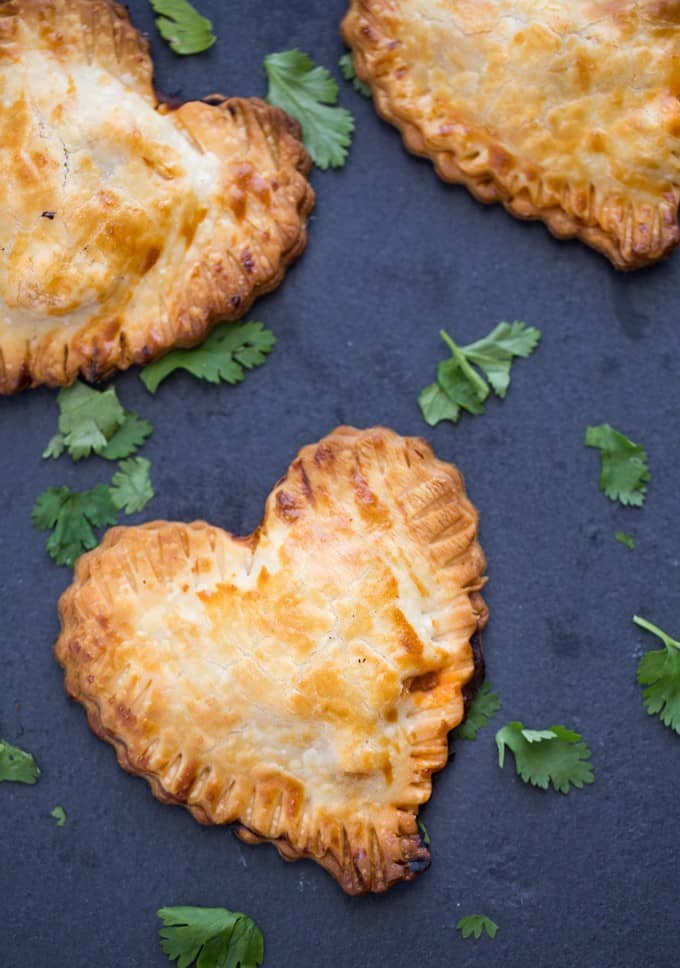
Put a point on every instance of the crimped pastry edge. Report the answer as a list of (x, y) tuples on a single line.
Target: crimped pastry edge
[(487, 187), (98, 353), (406, 855)]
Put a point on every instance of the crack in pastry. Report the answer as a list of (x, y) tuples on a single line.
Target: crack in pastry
[(565, 112), (300, 682), (127, 226)]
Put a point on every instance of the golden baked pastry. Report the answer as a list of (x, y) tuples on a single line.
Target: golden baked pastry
[(567, 112), (126, 226), (300, 682)]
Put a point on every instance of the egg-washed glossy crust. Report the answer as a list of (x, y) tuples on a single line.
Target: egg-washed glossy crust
[(565, 112), (300, 682), (127, 227)]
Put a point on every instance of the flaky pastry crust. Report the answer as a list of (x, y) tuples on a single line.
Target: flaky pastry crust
[(565, 112), (127, 226), (300, 682)]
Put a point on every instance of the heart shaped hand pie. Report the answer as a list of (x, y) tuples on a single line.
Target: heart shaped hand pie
[(567, 112), (301, 681), (126, 226)]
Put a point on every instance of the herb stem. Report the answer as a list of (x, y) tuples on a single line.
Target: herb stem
[(458, 355), (655, 630)]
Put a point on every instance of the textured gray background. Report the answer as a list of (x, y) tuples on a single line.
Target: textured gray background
[(589, 880)]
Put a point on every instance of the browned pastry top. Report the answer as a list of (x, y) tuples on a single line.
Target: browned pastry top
[(567, 112), (126, 227), (300, 682)]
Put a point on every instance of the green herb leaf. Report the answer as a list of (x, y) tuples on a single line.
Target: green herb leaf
[(131, 488), (210, 937), (55, 448), (473, 924), (184, 28), (59, 815), (495, 353), (128, 438), (310, 95), (484, 707), (424, 835), (460, 386), (624, 473), (226, 353), (87, 419), (436, 406), (625, 539), (660, 672), (73, 516), (94, 421), (556, 755), (347, 67), (16, 765)]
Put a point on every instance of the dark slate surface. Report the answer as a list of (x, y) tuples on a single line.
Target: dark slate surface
[(588, 880)]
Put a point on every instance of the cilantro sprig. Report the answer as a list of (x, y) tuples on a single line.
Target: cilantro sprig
[(95, 421), (625, 539), (225, 355), (624, 474), (210, 937), (473, 924), (459, 386), (659, 671), (484, 707), (72, 516), (131, 488), (184, 28), (544, 756), (310, 95), (346, 64), (59, 815), (16, 765)]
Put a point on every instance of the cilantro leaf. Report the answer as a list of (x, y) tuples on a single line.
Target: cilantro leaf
[(184, 28), (347, 67), (73, 516), (660, 672), (436, 405), (625, 539), (87, 419), (424, 834), (59, 815), (226, 353), (556, 755), (473, 925), (211, 937), (484, 707), (462, 385), (16, 765), (310, 95), (55, 448), (624, 474), (459, 386), (494, 354), (131, 488), (128, 438), (95, 421)]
